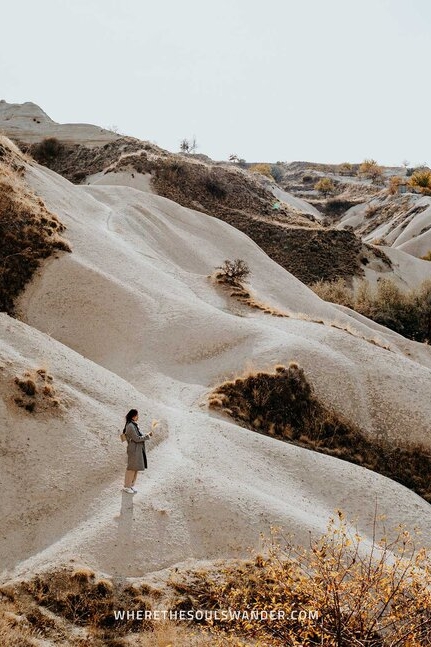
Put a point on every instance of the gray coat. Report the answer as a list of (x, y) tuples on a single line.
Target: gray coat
[(136, 456)]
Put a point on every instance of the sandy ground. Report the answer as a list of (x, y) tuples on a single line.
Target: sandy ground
[(139, 181), (300, 205), (130, 318), (411, 236)]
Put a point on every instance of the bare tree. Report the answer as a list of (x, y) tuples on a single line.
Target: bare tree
[(189, 145), (185, 146), (193, 145)]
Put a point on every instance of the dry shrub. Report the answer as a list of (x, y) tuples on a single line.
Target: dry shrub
[(345, 168), (394, 184), (14, 630), (406, 312), (232, 272), (421, 180), (36, 391), (46, 151), (349, 595), (82, 599), (263, 169), (283, 404), (76, 608), (371, 211), (371, 170), (325, 186), (334, 291), (28, 231), (427, 256)]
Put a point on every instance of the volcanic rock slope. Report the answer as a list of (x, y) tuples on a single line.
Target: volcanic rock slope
[(131, 319)]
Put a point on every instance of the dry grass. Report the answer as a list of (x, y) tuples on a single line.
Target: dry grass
[(75, 608), (231, 273), (14, 629), (347, 596), (371, 170), (406, 312), (360, 599), (54, 603), (421, 181), (28, 231), (283, 405), (168, 634), (35, 391)]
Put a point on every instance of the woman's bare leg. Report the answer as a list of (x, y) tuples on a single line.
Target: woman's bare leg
[(129, 478)]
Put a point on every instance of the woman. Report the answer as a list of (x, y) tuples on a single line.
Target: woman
[(136, 456)]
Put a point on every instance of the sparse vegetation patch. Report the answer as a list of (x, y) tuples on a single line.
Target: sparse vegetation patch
[(421, 181), (406, 312), (35, 391), (28, 231), (339, 595), (47, 151), (371, 170), (325, 186), (283, 405), (333, 592)]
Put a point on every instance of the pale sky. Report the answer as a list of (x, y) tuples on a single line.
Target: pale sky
[(316, 80)]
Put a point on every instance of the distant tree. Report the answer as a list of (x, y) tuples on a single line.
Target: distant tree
[(371, 170), (113, 128), (185, 146), (189, 145), (193, 145), (325, 186)]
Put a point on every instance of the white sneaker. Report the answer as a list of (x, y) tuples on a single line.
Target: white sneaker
[(134, 489), (129, 490)]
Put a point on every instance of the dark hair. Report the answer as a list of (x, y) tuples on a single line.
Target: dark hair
[(132, 413)]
